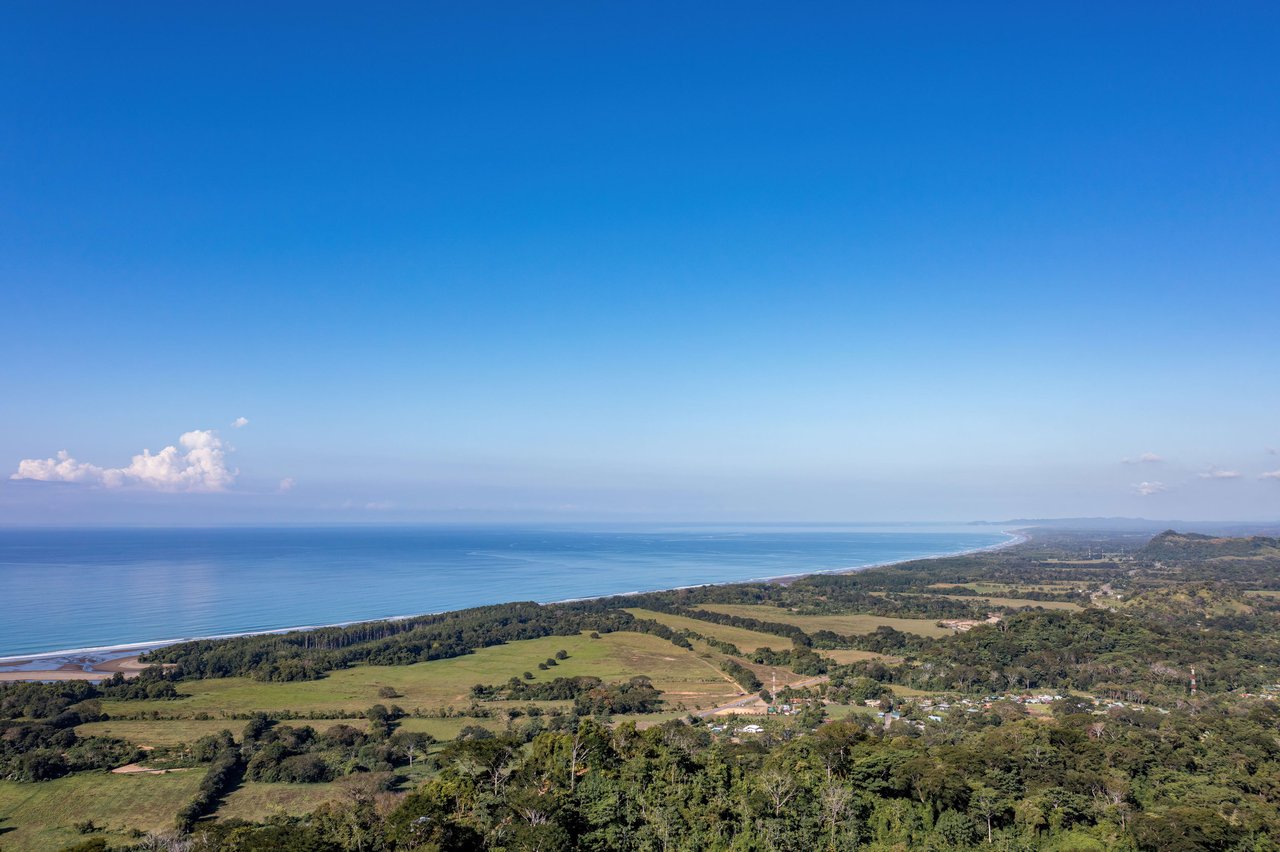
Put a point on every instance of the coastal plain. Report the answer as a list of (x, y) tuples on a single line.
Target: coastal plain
[(899, 653)]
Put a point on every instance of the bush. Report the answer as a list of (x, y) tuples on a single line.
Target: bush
[(223, 773)]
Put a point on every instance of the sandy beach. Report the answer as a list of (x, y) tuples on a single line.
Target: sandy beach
[(61, 668)]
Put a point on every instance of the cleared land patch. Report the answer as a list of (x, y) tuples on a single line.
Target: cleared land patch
[(846, 656), (1015, 603), (848, 624), (1008, 589), (41, 815), (255, 800), (445, 683), (166, 732), (746, 640)]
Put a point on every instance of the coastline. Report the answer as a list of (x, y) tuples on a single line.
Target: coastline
[(101, 662)]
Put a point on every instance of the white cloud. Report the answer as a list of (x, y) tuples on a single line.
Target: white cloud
[(1218, 473), (200, 465), (1271, 474), (1145, 458), (1146, 489), (240, 423), (287, 484), (62, 468)]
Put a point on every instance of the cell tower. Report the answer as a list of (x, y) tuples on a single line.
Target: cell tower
[(1193, 680)]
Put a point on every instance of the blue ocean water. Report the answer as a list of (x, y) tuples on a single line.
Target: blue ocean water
[(70, 589)]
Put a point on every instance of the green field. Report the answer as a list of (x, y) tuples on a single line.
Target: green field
[(168, 732), (848, 624), (846, 656), (1016, 603), (446, 683), (38, 817), (746, 640), (1009, 590), (254, 801), (912, 692)]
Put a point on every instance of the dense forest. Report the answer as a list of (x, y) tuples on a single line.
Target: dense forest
[(1100, 691)]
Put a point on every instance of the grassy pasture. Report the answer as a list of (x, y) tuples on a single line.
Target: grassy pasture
[(846, 656), (446, 683), (169, 732), (848, 624), (41, 815), (254, 800), (1016, 603), (746, 640), (1009, 590), (912, 692)]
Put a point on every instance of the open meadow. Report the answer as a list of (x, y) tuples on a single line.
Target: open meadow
[(745, 640), (442, 684), (1015, 603), (848, 624), (39, 817)]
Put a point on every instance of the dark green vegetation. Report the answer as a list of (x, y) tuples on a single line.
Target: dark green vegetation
[(38, 740), (1057, 714)]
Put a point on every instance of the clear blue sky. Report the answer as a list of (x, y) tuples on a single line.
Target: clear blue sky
[(652, 261)]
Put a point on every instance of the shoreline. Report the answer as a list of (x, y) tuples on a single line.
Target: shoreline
[(13, 668)]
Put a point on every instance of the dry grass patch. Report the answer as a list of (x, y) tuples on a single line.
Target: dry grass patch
[(846, 656), (746, 640), (255, 801), (1015, 603), (848, 624)]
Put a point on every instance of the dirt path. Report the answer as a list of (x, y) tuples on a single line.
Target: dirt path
[(745, 700), (138, 768), (713, 668)]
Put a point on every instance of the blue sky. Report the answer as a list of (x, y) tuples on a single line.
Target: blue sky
[(591, 261)]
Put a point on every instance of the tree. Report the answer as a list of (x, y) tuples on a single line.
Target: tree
[(835, 800), (411, 744), (780, 787), (988, 803)]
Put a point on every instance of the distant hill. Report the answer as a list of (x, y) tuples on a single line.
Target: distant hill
[(1172, 544), (1145, 525)]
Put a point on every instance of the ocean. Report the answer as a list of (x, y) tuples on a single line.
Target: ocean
[(65, 589)]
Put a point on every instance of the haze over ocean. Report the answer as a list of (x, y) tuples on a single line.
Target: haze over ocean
[(89, 588)]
